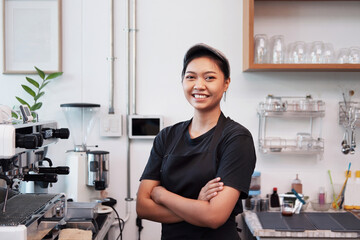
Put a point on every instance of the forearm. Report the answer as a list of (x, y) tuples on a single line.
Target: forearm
[(196, 212), (148, 209)]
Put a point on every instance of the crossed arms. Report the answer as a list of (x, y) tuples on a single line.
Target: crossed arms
[(212, 208)]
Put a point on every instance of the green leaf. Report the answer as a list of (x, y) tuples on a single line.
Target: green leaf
[(39, 96), (43, 85), (29, 90), (40, 72), (22, 102), (53, 75), (36, 106), (33, 82)]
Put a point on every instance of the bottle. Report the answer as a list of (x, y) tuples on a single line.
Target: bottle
[(321, 195), (296, 184), (357, 190), (348, 198), (274, 199)]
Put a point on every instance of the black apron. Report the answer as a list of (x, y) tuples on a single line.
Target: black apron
[(185, 175)]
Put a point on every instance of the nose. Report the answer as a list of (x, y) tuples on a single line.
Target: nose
[(199, 84)]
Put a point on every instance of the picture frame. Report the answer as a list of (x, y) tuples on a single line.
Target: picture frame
[(32, 36)]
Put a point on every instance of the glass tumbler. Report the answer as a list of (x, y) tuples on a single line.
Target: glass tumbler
[(261, 48), (297, 53), (343, 55), (354, 55), (277, 49), (316, 52), (328, 53)]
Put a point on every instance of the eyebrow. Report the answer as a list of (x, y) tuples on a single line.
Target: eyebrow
[(204, 72)]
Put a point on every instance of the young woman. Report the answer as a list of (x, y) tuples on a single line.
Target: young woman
[(180, 186)]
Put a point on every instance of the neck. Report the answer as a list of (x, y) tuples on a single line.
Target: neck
[(203, 122)]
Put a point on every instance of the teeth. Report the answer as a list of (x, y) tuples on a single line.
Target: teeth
[(199, 96)]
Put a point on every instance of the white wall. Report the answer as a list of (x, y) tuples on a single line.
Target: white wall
[(166, 30)]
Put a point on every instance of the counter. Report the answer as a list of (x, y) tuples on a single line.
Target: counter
[(308, 225)]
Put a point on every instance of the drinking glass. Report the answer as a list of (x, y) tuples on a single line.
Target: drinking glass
[(316, 52), (297, 52), (343, 55), (289, 48), (354, 55), (328, 54), (277, 49), (261, 48)]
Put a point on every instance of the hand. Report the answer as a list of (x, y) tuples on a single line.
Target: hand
[(156, 193), (211, 189)]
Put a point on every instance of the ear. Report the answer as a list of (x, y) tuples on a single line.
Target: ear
[(227, 83)]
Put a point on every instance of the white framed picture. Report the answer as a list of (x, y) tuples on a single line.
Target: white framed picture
[(32, 36)]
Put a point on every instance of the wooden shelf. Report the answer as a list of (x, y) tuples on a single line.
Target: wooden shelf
[(248, 49)]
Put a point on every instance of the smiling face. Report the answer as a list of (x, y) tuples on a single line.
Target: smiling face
[(204, 84)]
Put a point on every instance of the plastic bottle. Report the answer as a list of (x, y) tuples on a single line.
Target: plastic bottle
[(348, 195), (357, 190), (296, 184), (274, 199), (321, 195)]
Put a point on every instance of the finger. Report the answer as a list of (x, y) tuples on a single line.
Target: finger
[(215, 185), (211, 196), (212, 190), (217, 179)]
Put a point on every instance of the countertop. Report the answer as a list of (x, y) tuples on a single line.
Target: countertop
[(252, 221)]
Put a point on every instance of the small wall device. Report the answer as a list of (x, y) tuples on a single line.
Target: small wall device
[(144, 126)]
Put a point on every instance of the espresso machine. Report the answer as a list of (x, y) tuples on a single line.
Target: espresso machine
[(23, 150), (89, 170)]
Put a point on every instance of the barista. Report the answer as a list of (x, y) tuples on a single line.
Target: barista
[(187, 155)]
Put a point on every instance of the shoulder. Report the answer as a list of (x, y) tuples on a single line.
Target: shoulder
[(171, 131), (233, 129)]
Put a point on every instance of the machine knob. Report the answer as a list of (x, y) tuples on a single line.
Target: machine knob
[(41, 177), (62, 133), (28, 141), (40, 139), (63, 170)]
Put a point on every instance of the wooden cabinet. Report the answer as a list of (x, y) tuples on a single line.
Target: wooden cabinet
[(248, 46)]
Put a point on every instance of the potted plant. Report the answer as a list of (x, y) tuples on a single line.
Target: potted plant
[(36, 89)]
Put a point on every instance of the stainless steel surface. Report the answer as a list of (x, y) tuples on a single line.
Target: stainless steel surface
[(98, 168), (111, 58), (81, 210), (38, 213)]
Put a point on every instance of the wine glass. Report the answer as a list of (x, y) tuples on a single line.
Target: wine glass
[(316, 52), (343, 55), (261, 48), (354, 55), (277, 49)]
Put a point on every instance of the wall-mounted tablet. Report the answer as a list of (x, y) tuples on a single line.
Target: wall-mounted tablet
[(144, 126)]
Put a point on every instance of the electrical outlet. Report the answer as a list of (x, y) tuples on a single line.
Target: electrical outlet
[(111, 125)]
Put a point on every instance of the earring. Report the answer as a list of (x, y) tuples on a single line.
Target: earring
[(224, 96)]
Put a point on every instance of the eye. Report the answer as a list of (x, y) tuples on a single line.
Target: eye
[(189, 77), (210, 78)]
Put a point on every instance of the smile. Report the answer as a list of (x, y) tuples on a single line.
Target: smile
[(201, 96)]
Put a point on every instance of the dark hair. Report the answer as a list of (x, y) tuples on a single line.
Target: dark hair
[(203, 50)]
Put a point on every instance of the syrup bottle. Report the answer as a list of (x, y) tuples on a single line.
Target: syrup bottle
[(274, 199), (296, 184)]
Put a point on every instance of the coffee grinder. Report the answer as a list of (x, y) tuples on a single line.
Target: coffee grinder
[(89, 170)]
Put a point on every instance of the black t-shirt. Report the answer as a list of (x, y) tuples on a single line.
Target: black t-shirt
[(184, 165)]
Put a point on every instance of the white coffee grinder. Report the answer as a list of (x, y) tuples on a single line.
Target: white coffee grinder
[(89, 170)]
